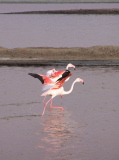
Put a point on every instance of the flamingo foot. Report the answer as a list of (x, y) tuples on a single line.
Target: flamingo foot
[(58, 107)]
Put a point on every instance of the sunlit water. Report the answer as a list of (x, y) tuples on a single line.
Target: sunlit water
[(57, 30), (87, 128)]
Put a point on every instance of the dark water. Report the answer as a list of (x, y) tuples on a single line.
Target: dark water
[(57, 30), (87, 129)]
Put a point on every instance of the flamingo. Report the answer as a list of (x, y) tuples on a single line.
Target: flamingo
[(53, 77), (57, 87)]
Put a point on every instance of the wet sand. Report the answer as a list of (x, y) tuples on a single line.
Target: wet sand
[(87, 129), (46, 56)]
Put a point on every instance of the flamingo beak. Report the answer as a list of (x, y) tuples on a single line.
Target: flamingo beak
[(74, 67), (83, 82)]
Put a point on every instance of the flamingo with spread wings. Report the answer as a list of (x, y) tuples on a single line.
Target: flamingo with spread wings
[(53, 77), (55, 88)]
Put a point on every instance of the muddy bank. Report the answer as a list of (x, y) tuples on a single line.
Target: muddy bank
[(75, 53), (74, 11), (33, 55)]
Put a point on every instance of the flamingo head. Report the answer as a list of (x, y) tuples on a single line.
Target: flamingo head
[(70, 66), (80, 80), (53, 70)]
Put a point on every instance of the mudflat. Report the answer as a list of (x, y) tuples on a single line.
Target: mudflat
[(75, 53), (34, 54)]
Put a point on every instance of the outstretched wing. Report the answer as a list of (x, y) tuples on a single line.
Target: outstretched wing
[(56, 74), (46, 81), (37, 76), (59, 83)]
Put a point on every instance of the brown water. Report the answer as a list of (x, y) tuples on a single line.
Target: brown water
[(88, 129)]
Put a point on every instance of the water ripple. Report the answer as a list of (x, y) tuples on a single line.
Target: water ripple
[(20, 116)]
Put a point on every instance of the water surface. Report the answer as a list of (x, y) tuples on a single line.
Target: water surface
[(87, 129), (57, 30)]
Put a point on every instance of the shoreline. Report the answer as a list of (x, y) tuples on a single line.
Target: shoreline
[(37, 63), (83, 56), (6, 1), (73, 11)]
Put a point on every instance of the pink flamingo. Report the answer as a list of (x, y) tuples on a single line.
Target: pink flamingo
[(53, 77), (57, 88)]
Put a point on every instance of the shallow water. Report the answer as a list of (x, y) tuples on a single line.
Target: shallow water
[(18, 31), (57, 30), (87, 129)]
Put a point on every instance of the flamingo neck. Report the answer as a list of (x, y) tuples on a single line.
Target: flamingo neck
[(72, 86), (67, 67)]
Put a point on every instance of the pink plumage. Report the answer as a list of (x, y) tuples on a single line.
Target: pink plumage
[(55, 88)]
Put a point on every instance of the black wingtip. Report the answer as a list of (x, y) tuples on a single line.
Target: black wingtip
[(37, 76), (33, 75)]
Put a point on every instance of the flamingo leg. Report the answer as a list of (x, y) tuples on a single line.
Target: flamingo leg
[(56, 107), (46, 105), (44, 99), (61, 96)]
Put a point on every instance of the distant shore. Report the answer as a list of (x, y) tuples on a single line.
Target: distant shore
[(73, 11), (60, 1), (46, 55)]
